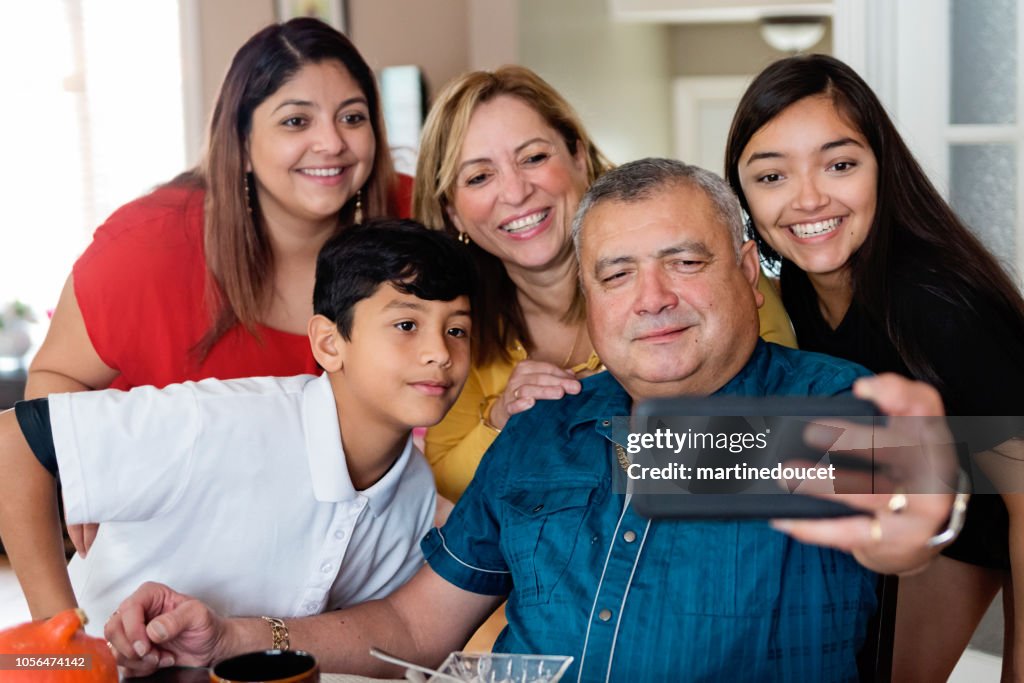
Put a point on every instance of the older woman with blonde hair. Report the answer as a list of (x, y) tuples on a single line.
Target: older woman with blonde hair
[(504, 161)]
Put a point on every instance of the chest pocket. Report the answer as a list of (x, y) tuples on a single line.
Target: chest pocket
[(539, 535)]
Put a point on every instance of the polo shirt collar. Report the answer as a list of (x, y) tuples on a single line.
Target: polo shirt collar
[(328, 469)]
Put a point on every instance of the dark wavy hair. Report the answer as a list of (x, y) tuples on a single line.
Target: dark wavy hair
[(351, 266), (912, 224)]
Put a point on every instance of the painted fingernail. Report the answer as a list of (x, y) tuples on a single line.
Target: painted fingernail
[(139, 647)]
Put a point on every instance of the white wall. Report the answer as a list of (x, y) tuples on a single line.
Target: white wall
[(615, 75)]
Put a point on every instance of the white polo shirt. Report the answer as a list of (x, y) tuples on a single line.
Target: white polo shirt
[(235, 492)]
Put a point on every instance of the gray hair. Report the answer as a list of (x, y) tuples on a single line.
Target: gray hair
[(641, 179)]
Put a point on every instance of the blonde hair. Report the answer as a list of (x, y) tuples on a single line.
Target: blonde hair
[(499, 318)]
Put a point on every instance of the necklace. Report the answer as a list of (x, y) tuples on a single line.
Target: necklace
[(620, 453), (572, 349)]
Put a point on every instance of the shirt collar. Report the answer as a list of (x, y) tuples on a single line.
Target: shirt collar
[(327, 465), (749, 380), (604, 398)]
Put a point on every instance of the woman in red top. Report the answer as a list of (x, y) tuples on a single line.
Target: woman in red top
[(212, 274)]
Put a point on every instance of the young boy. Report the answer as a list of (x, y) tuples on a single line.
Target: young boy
[(267, 495)]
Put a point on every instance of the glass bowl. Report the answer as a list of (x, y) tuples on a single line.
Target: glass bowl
[(487, 667)]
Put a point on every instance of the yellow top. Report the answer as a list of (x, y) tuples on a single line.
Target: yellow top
[(455, 446)]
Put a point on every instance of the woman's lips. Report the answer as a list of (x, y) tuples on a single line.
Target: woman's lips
[(328, 176), (528, 225), (811, 230)]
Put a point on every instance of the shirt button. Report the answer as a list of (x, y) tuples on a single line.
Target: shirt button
[(326, 567), (604, 615), (339, 534), (629, 536), (605, 423), (311, 607)]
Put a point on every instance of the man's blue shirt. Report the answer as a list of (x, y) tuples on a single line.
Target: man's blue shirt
[(636, 600)]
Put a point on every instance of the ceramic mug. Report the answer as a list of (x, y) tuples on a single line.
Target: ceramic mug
[(267, 666)]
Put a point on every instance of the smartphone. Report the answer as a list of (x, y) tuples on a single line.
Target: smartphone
[(723, 457)]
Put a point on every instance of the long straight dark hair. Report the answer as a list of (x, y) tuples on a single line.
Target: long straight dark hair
[(912, 221), (238, 255)]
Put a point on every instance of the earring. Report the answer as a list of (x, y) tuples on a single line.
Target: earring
[(358, 216), (248, 193), (464, 237)]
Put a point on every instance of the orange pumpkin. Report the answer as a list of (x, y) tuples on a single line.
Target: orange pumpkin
[(60, 636)]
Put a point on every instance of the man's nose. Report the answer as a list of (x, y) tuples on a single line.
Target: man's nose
[(655, 293)]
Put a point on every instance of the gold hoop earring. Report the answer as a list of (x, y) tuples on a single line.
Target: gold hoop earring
[(464, 238), (248, 193), (358, 216)]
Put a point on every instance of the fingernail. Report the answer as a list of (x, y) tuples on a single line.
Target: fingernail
[(139, 647), (864, 388), (781, 524), (151, 659), (168, 660), (158, 630)]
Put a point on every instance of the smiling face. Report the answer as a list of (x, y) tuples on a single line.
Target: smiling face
[(517, 185), (810, 180), (669, 308), (405, 361), (311, 146)]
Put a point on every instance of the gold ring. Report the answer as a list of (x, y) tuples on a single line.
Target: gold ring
[(875, 530), (897, 503)]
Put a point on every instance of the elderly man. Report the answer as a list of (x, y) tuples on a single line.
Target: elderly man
[(671, 289)]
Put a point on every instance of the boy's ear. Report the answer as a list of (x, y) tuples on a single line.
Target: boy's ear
[(327, 343)]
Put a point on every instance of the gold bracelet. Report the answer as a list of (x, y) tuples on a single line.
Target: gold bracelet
[(279, 632)]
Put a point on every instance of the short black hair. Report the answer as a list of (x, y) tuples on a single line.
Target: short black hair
[(428, 264)]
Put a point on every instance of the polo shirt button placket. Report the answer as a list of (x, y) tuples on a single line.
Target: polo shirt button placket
[(604, 615)]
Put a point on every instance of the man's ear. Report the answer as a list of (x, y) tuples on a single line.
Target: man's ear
[(750, 266), (327, 343)]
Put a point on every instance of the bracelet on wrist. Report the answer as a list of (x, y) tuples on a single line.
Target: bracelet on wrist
[(956, 515), (485, 412), (279, 633)]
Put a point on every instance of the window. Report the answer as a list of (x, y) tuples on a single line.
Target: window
[(92, 117)]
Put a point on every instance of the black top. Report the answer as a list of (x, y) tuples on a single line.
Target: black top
[(976, 355), (978, 358)]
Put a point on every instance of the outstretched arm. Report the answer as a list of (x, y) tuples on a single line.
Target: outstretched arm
[(30, 524), (422, 621), (894, 536)]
